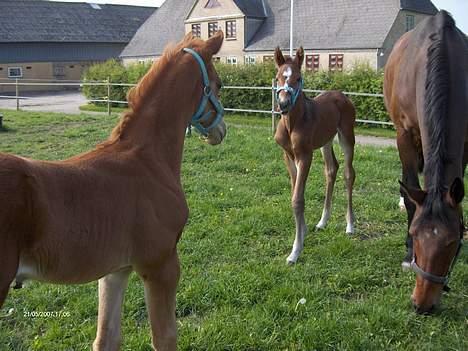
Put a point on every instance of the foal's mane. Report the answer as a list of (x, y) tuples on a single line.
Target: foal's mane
[(137, 95), (437, 91)]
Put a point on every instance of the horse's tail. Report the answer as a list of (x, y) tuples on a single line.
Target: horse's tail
[(436, 104)]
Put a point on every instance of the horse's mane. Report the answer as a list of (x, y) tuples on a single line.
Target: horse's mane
[(137, 94), (437, 92)]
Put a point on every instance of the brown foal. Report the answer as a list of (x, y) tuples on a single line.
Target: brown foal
[(306, 125), (117, 208)]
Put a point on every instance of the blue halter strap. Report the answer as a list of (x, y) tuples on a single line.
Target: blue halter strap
[(201, 115), (293, 92)]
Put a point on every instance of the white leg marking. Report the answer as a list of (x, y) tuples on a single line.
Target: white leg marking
[(401, 204)]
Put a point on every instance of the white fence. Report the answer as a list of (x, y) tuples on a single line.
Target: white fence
[(106, 99)]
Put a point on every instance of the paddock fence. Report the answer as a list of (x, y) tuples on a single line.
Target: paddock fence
[(18, 83)]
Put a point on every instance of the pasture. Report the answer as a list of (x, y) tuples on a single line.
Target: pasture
[(236, 291)]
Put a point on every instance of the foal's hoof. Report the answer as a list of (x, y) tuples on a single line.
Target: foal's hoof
[(406, 266), (292, 259)]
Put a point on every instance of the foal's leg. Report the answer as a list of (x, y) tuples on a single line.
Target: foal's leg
[(330, 170), (346, 138), (292, 170), (160, 292), (298, 205), (409, 158), (111, 294)]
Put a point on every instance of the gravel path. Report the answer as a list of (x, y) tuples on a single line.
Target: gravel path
[(70, 101)]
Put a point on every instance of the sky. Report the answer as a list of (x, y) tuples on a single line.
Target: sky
[(458, 8)]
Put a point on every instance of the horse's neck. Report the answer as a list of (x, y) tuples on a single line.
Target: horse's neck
[(157, 126), (297, 113)]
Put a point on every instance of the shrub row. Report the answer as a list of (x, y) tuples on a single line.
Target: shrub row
[(361, 79)]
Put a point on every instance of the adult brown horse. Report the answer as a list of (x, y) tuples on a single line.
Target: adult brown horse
[(306, 125), (121, 206), (426, 94)]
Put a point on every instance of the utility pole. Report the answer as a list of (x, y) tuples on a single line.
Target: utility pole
[(291, 30)]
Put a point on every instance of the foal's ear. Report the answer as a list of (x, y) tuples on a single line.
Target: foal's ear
[(213, 45), (279, 58), (416, 196), (188, 36), (299, 59), (456, 193)]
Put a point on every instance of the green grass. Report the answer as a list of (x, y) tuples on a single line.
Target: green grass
[(236, 292)]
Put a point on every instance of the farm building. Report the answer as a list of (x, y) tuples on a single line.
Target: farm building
[(58, 40), (336, 34)]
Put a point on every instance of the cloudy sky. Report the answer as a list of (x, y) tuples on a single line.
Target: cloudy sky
[(458, 8)]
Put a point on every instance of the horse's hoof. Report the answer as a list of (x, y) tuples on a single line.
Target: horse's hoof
[(291, 260)]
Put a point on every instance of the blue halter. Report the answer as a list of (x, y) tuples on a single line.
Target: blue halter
[(294, 93), (201, 115)]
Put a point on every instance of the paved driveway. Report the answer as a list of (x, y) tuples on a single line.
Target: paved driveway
[(63, 101)]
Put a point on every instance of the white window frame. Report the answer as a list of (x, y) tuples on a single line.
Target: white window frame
[(232, 60), (15, 76), (250, 60)]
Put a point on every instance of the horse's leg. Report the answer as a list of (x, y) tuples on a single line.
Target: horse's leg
[(298, 204), (330, 170), (409, 158), (9, 261), (111, 294), (160, 292), (292, 170), (347, 141)]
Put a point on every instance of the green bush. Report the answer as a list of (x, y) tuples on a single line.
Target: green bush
[(362, 79)]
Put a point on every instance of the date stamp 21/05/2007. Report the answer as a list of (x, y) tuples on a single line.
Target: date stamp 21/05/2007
[(46, 314)]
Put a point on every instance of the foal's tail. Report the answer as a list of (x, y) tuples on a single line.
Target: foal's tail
[(14, 218)]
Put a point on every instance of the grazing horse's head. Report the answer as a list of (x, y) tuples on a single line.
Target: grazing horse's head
[(208, 117), (437, 232), (289, 79)]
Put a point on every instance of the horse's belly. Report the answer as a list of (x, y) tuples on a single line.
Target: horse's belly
[(64, 272)]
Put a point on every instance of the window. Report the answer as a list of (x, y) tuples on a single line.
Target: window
[(312, 63), (336, 63), (409, 22), (216, 59), (15, 72), (28, 67), (231, 60), (249, 60), (212, 28), (268, 59), (231, 29), (196, 30)]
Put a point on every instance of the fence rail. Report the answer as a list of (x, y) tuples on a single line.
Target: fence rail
[(106, 99)]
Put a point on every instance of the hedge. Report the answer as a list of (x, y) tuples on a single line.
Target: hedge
[(361, 79)]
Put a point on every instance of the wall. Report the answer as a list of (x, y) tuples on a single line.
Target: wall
[(397, 30), (42, 70)]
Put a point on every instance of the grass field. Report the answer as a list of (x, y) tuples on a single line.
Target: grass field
[(236, 291)]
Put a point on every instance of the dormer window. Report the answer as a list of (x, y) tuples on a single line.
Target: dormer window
[(212, 3)]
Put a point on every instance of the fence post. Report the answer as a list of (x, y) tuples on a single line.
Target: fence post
[(108, 97), (17, 95), (273, 117)]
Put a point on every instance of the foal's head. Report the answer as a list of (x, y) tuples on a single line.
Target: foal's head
[(289, 79), (208, 118), (437, 232)]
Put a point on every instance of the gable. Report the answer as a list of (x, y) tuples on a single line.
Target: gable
[(213, 9)]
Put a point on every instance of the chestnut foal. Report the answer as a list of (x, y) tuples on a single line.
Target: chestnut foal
[(121, 206), (306, 125)]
